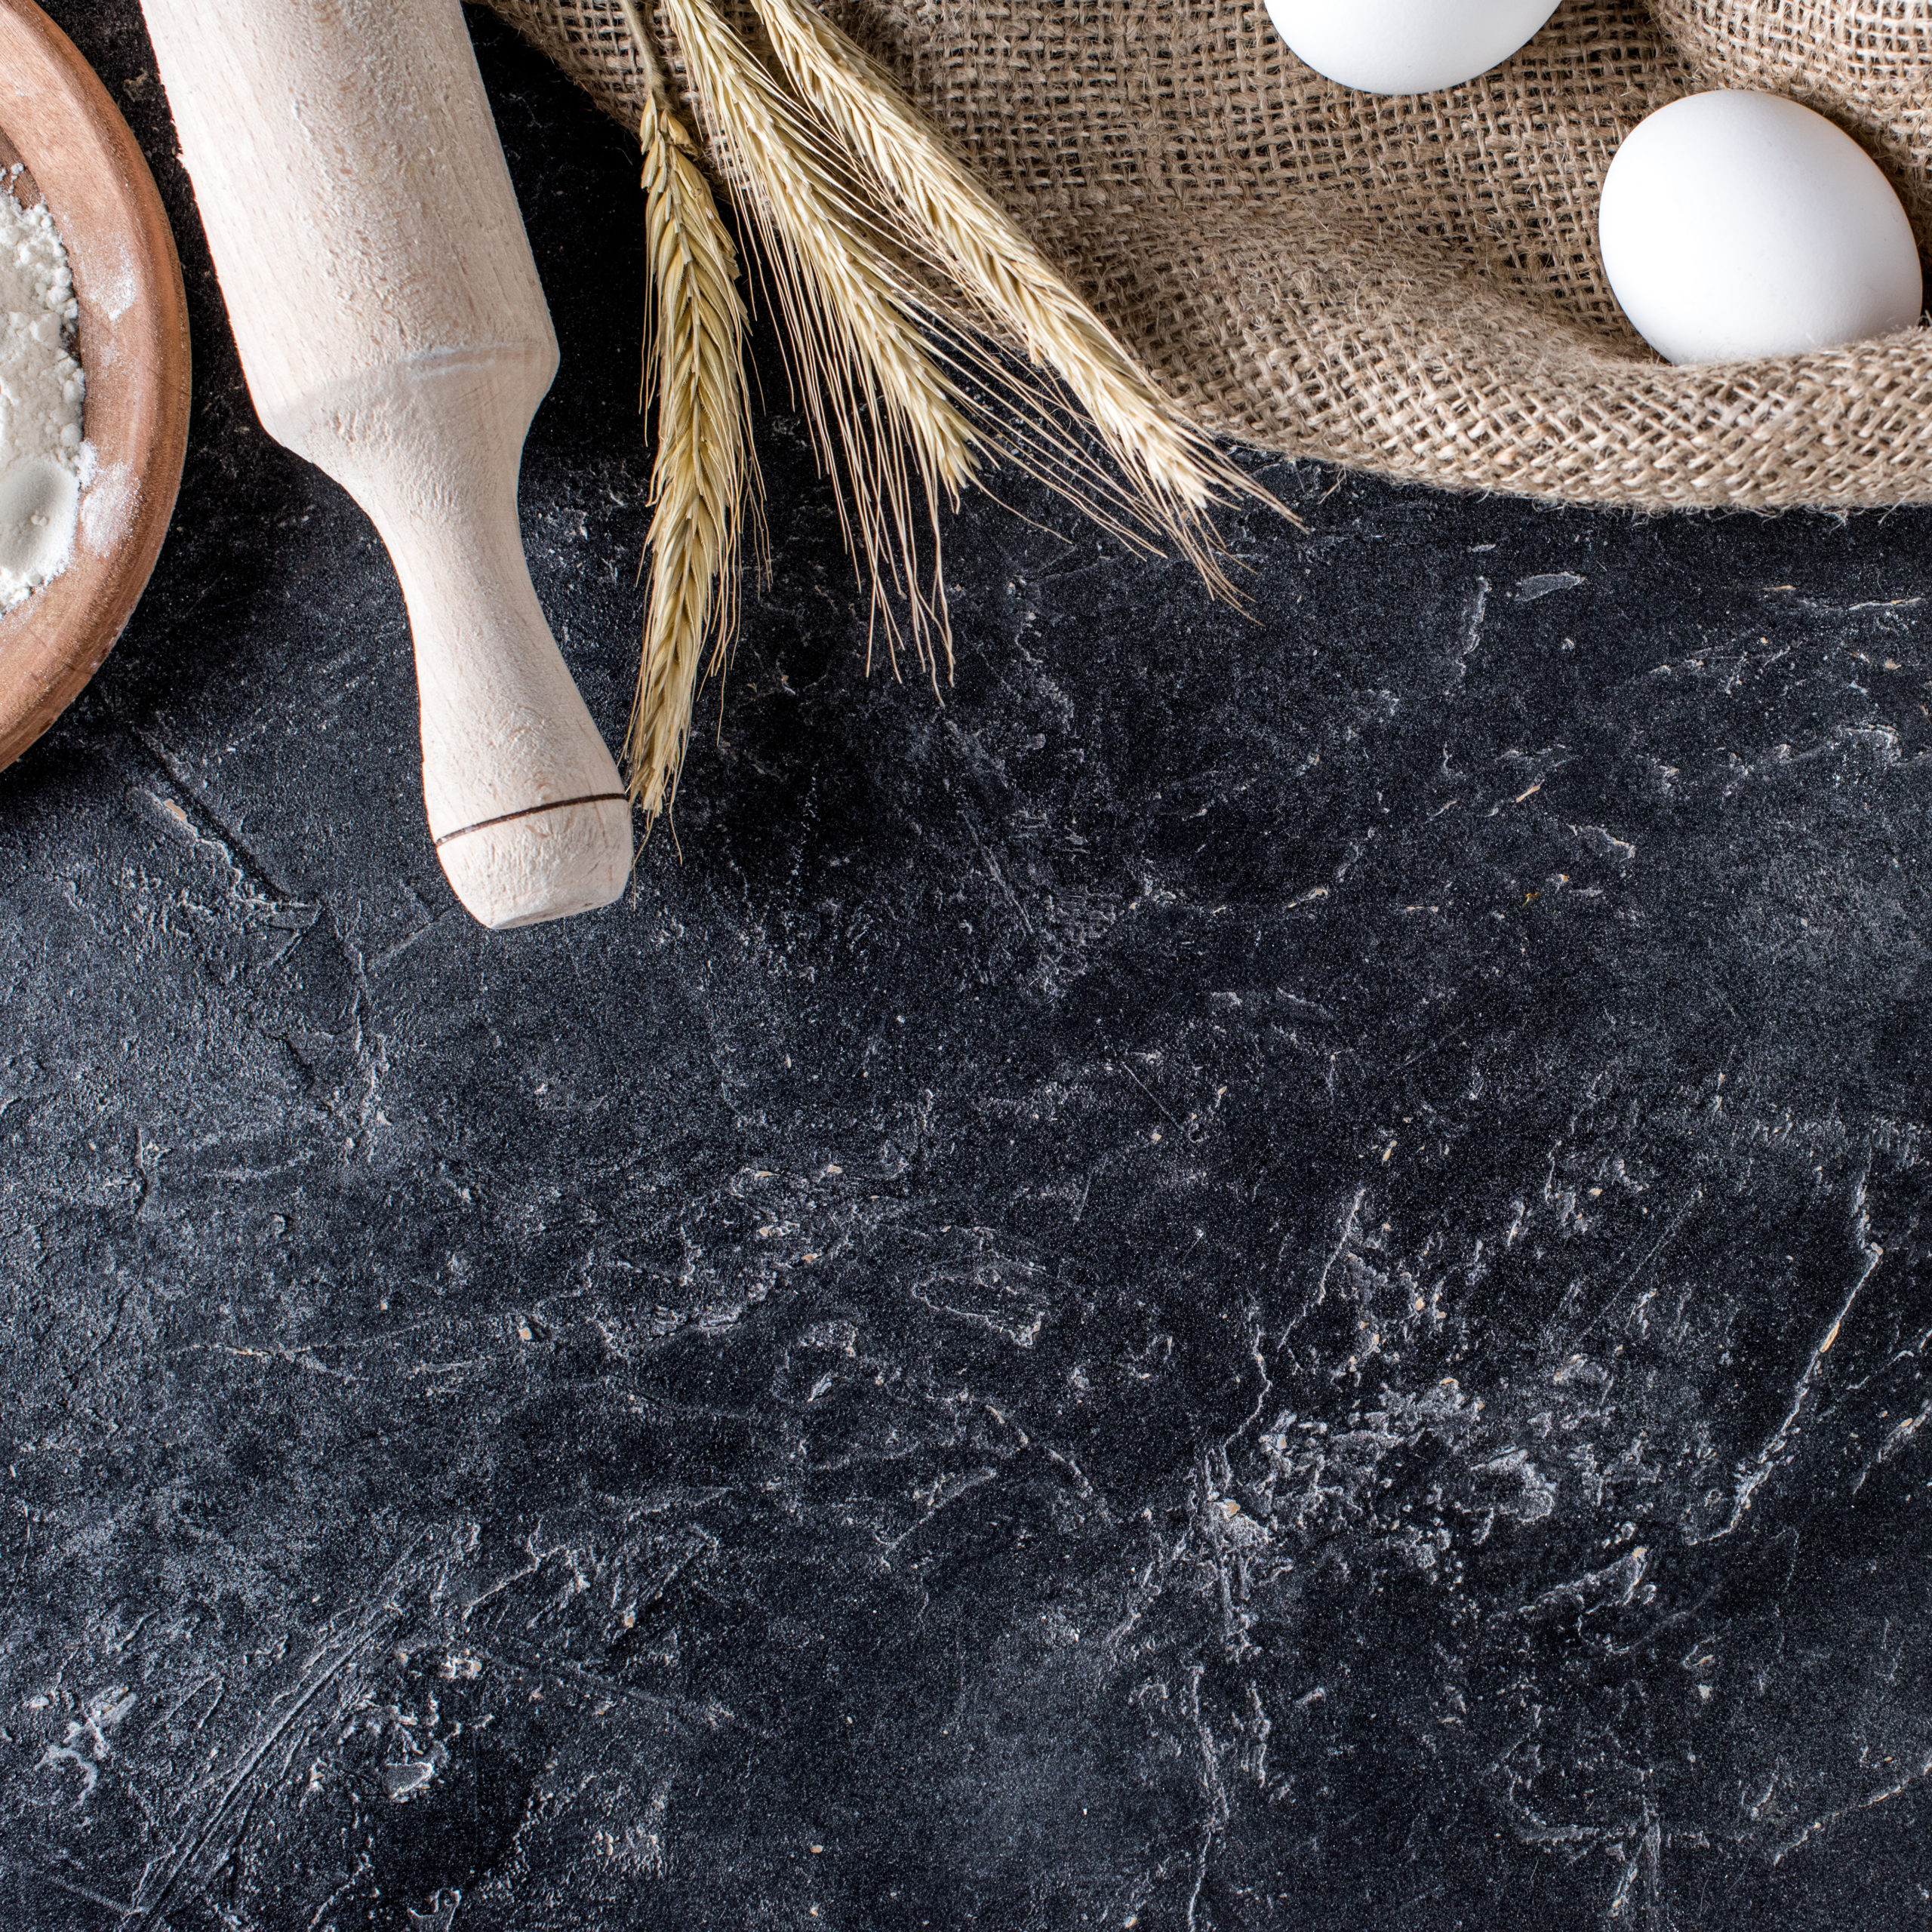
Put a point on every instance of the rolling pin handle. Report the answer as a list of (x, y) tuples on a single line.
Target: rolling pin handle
[(529, 818)]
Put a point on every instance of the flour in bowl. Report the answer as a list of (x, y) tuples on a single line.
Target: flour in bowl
[(43, 460)]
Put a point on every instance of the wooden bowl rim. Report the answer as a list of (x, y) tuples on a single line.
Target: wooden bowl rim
[(52, 644)]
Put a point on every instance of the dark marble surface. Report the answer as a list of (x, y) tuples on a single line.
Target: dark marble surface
[(1264, 1274)]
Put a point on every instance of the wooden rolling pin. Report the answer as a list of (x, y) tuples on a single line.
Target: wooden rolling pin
[(394, 332)]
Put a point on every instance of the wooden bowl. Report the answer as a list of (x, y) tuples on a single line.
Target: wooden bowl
[(57, 118)]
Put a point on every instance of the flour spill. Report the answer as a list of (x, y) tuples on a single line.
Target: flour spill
[(44, 462)]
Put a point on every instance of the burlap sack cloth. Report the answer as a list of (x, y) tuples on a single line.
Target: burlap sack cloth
[(1410, 286)]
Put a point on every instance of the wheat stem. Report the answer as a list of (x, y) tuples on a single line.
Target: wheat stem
[(1171, 467), (694, 371), (888, 419)]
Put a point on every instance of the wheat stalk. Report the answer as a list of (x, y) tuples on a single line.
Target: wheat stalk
[(890, 303), (888, 419), (1173, 471), (693, 369)]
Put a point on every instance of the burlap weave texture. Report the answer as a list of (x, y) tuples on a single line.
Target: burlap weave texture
[(1409, 286)]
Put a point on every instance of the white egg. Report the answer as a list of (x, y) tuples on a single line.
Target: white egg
[(1737, 225), (1407, 46)]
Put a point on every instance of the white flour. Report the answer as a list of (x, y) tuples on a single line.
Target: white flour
[(43, 461)]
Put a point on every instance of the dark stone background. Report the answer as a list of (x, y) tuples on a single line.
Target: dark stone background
[(1263, 1274)]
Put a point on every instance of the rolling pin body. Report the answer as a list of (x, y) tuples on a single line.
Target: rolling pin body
[(394, 332)]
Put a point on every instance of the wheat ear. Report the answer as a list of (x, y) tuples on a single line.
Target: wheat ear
[(693, 369), (1172, 470), (888, 418)]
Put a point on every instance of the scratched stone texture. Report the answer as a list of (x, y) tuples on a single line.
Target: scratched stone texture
[(1268, 1271)]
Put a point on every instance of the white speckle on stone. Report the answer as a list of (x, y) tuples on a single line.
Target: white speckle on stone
[(1547, 585)]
